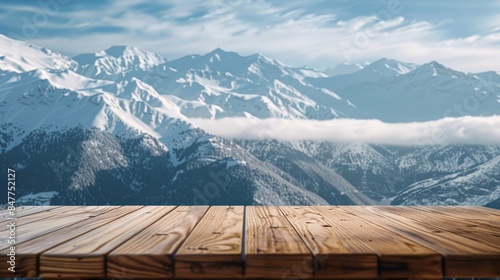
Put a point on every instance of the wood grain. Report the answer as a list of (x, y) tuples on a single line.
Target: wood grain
[(84, 256), (485, 232), (214, 247), (49, 213), (154, 258), (398, 256), (336, 252), (463, 257), (27, 253), (23, 211), (41, 227), (287, 242), (474, 215), (490, 213), (273, 249)]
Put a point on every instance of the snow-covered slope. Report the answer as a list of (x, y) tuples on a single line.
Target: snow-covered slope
[(388, 68), (376, 71), (370, 170), (116, 61), (18, 56), (225, 84), (99, 139), (428, 92), (309, 172), (479, 185), (121, 117), (54, 100), (344, 69)]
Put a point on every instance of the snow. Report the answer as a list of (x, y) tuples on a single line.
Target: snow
[(41, 198), (108, 64), (344, 69), (125, 90), (18, 56)]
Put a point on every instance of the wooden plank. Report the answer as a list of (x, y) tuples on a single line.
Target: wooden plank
[(23, 211), (84, 256), (154, 258), (483, 231), (4, 211), (27, 253), (484, 238), (398, 256), (471, 214), (484, 211), (273, 249), (38, 216), (214, 247), (41, 227), (462, 257), (336, 252)]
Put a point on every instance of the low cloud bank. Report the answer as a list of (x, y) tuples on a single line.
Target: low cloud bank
[(463, 130)]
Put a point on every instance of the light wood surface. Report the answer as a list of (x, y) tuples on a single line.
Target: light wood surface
[(214, 247), (22, 211), (487, 233), (28, 252), (476, 216), (336, 252), (84, 256), (41, 227), (254, 242), (272, 247), (153, 248), (463, 257), (37, 216), (398, 256)]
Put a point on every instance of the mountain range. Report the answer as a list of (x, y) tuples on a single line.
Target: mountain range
[(115, 127)]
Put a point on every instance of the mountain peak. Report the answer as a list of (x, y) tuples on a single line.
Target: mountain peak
[(265, 59), (390, 67), (436, 64), (435, 68), (219, 54), (343, 69), (385, 60), (219, 51), (117, 59), (20, 56), (121, 51), (117, 51)]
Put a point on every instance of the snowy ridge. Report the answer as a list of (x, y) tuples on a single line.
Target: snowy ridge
[(344, 69), (18, 56), (116, 60), (133, 110), (480, 183)]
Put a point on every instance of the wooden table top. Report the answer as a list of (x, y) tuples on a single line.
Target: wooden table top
[(253, 242)]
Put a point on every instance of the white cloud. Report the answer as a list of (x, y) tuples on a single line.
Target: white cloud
[(285, 30), (463, 130)]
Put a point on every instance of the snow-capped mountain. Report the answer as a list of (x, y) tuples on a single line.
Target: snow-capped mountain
[(80, 139), (115, 127), (384, 173), (18, 56), (225, 84), (478, 185), (344, 69), (376, 71), (428, 92), (116, 61)]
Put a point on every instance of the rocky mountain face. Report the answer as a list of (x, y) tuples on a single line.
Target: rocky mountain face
[(114, 127)]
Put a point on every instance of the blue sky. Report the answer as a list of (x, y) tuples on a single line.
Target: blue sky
[(464, 35)]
